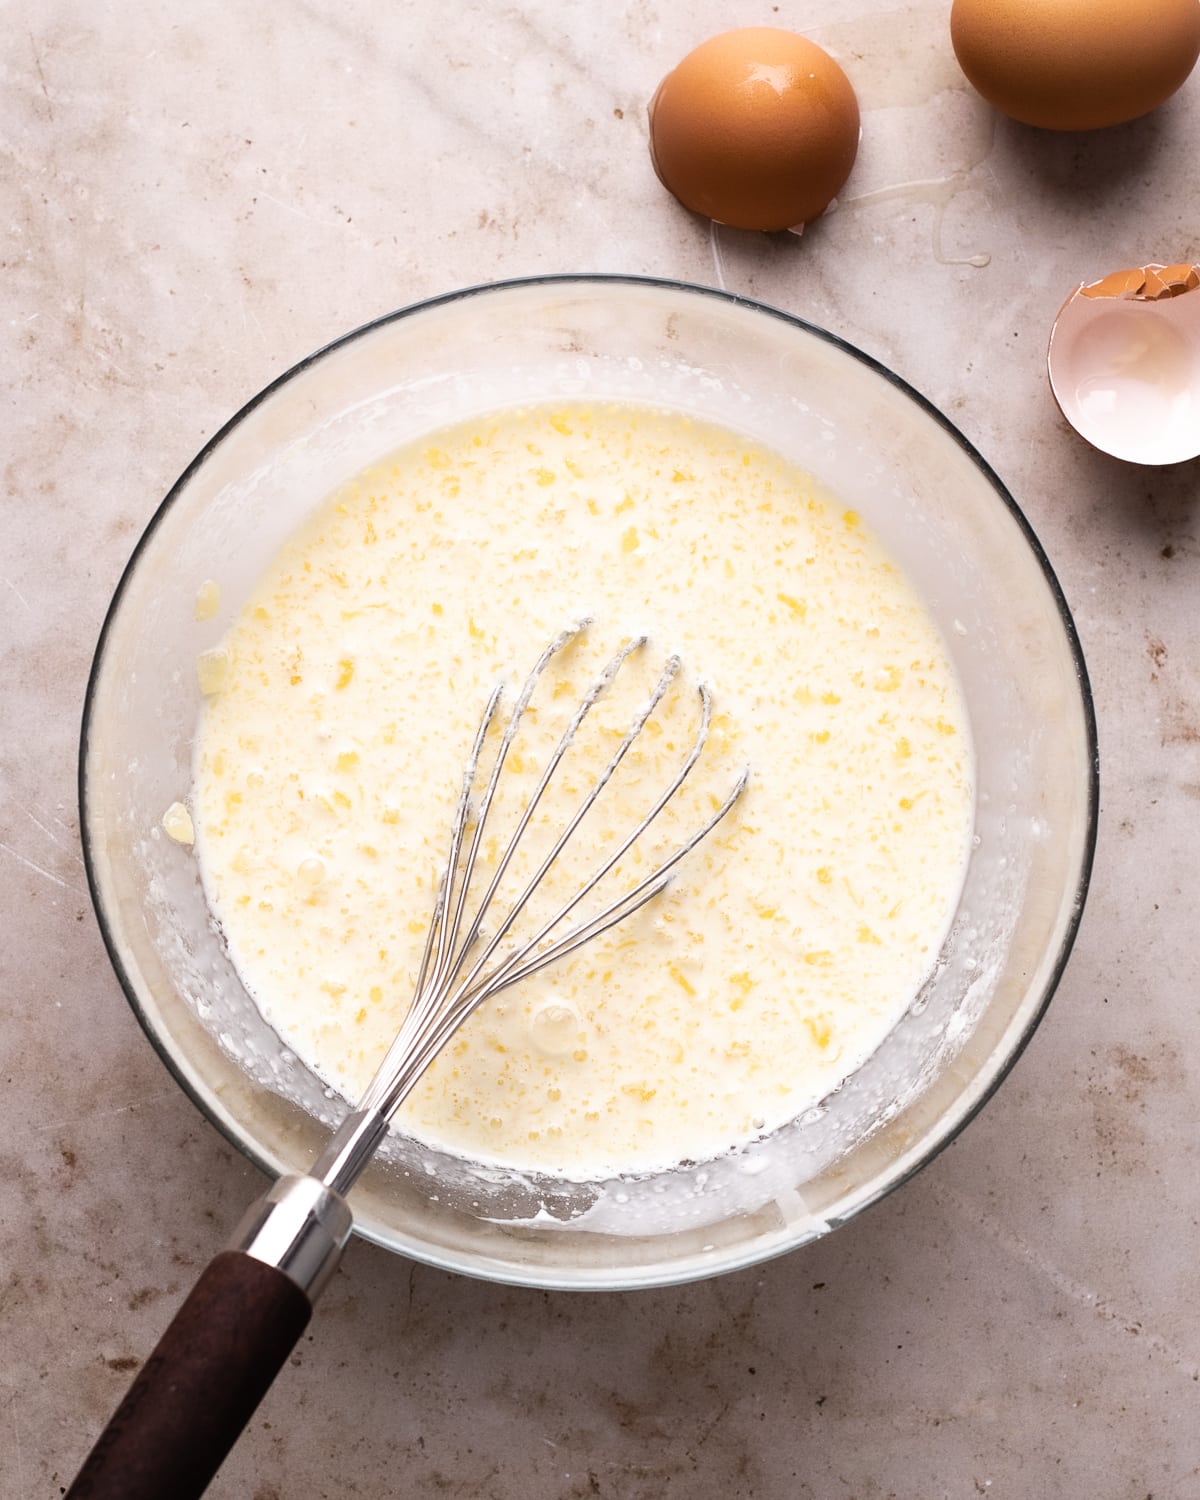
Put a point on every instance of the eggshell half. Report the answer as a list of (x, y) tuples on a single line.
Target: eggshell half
[(1124, 363)]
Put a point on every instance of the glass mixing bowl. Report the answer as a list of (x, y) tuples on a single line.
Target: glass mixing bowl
[(863, 434)]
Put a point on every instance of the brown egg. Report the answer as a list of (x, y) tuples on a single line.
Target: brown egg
[(1076, 64), (756, 128)]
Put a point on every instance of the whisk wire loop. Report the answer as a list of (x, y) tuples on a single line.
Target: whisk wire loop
[(454, 978)]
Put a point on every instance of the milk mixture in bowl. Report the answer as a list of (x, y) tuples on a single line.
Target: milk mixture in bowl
[(340, 706)]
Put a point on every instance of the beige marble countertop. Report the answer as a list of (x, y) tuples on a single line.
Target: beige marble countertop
[(193, 198)]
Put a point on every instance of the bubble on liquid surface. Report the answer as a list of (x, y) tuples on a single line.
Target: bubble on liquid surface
[(554, 1028)]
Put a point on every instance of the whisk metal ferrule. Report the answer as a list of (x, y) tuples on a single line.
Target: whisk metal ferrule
[(300, 1226)]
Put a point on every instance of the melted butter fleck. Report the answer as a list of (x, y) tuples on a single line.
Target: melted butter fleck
[(208, 600), (177, 824), (212, 670)]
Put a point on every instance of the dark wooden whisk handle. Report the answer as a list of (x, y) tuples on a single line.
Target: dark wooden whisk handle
[(224, 1347), (201, 1385)]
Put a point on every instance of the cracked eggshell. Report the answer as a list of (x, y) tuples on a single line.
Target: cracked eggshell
[(756, 128), (1124, 363)]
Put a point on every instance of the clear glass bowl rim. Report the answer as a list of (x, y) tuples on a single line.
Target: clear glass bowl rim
[(880, 370)]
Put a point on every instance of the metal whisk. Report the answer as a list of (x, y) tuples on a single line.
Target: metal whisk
[(216, 1360)]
